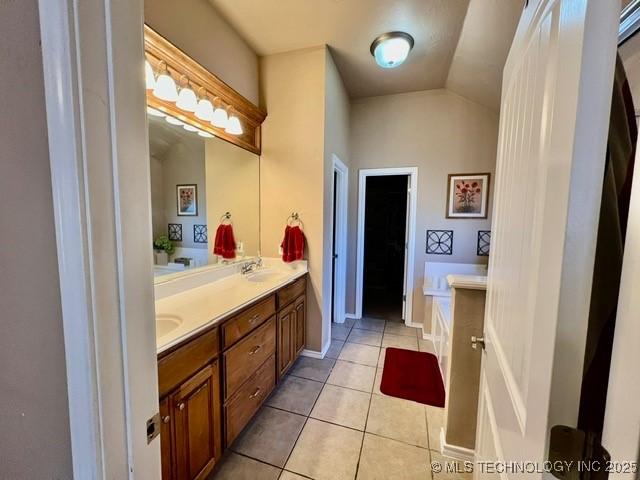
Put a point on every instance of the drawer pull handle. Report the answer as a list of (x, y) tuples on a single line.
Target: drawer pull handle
[(255, 318), (166, 419), (254, 394), (255, 349)]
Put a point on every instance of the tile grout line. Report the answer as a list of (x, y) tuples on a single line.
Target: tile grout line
[(307, 419), (364, 432)]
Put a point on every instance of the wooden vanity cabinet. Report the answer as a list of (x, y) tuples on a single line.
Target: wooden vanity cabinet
[(211, 385), (301, 325), (191, 421), (291, 329), (286, 332)]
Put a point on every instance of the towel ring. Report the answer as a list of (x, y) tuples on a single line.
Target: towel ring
[(293, 218), (226, 217)]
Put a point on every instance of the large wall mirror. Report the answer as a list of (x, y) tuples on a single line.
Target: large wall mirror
[(197, 184)]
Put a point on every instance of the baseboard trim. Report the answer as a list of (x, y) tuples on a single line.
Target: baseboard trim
[(315, 353), (458, 453), (352, 316), (425, 336)]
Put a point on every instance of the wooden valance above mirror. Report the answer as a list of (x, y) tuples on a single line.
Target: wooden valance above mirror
[(163, 56)]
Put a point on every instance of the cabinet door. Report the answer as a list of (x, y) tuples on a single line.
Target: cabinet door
[(286, 322), (300, 324), (196, 413), (166, 442)]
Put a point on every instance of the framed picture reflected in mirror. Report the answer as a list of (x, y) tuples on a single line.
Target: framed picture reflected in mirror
[(187, 199)]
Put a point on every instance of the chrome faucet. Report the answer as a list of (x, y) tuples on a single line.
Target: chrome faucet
[(251, 266)]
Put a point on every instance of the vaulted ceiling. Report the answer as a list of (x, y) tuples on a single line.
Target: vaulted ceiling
[(451, 48)]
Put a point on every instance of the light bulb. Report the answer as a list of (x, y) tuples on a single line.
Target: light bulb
[(204, 110), (220, 118), (149, 76), (173, 121), (187, 100), (190, 128), (155, 113), (204, 134), (234, 126), (165, 88)]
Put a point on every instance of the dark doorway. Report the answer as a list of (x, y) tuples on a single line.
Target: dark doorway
[(334, 253), (384, 246)]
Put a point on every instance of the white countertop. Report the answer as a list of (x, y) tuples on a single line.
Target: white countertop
[(198, 308), (472, 282)]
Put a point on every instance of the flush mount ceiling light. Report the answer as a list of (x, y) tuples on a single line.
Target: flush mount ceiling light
[(391, 49)]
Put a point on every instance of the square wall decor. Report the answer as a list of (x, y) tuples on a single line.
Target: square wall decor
[(468, 195), (440, 242), (484, 243), (200, 233), (175, 232)]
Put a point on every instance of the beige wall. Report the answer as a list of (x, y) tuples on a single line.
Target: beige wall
[(292, 163), (184, 164), (440, 133), (336, 142), (34, 418), (233, 185), (197, 28)]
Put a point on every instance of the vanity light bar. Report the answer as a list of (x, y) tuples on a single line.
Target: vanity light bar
[(163, 86)]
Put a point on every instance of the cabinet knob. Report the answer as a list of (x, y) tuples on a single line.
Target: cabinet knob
[(181, 406), (254, 394), (166, 419), (253, 319), (255, 349)]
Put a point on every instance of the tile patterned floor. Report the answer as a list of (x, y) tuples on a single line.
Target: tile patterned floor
[(328, 419)]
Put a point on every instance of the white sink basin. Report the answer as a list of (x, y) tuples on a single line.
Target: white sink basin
[(166, 324), (264, 275)]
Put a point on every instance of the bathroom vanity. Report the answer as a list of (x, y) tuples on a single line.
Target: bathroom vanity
[(227, 327), (213, 380)]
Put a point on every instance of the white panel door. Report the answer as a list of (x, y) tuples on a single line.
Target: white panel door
[(552, 142)]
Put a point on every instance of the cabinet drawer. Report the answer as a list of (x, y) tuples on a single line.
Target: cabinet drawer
[(238, 326), (180, 364), (243, 359), (241, 407), (289, 293)]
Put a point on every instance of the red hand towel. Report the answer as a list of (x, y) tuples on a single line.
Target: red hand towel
[(225, 244), (293, 244)]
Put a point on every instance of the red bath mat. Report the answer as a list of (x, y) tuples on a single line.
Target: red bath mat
[(412, 376)]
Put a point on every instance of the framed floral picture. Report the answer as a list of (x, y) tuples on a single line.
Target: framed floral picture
[(187, 198), (468, 195)]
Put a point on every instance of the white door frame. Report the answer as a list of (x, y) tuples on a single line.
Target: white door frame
[(94, 90), (412, 172), (341, 187)]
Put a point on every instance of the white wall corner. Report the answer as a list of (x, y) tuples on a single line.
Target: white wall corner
[(458, 453), (315, 354)]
